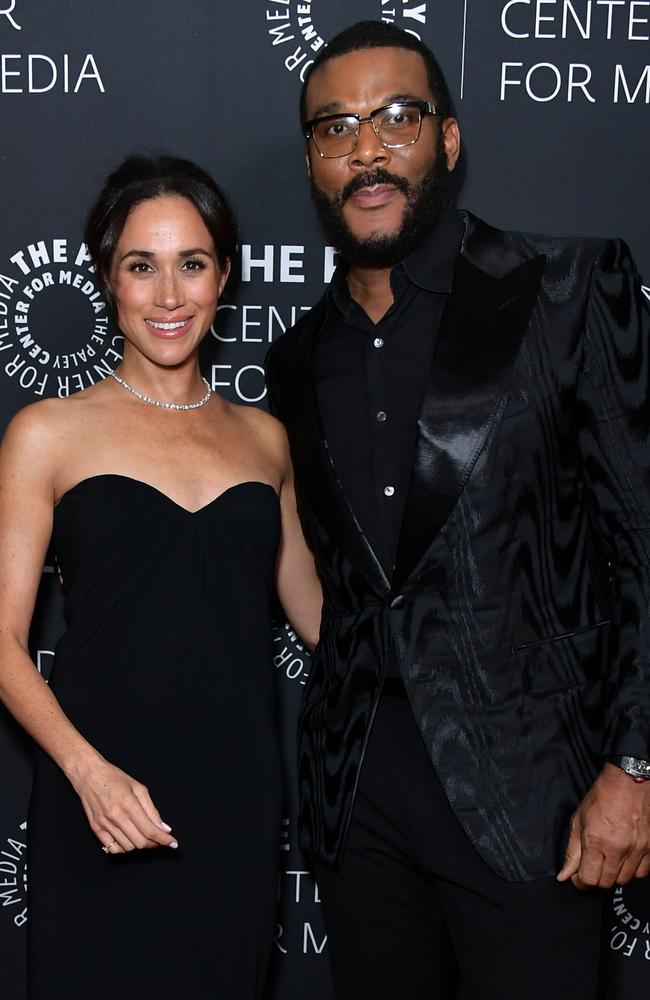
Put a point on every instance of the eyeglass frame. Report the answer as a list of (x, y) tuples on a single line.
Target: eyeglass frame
[(424, 107)]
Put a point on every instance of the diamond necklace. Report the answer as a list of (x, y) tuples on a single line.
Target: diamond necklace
[(160, 402)]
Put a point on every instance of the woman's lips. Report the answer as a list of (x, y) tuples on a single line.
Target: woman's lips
[(169, 329)]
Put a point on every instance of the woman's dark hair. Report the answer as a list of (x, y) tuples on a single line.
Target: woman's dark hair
[(379, 34), (140, 178)]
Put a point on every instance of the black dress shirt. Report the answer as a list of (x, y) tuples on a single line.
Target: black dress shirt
[(370, 382)]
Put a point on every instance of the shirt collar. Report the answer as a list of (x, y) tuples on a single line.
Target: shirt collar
[(430, 267)]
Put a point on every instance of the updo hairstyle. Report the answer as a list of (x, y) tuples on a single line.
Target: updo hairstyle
[(140, 178)]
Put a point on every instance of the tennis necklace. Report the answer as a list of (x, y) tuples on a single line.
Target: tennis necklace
[(159, 402)]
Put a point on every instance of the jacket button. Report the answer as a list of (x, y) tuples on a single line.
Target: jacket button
[(397, 602)]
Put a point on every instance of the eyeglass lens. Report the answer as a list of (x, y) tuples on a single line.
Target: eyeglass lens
[(397, 125)]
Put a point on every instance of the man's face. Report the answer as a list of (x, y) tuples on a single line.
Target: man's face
[(377, 203)]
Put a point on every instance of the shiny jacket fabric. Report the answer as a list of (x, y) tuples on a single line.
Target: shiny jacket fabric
[(519, 606)]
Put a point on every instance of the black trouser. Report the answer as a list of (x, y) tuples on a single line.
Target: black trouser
[(412, 883)]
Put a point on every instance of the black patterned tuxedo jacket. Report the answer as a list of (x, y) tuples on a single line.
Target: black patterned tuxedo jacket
[(519, 608)]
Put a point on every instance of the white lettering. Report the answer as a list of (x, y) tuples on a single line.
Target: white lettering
[(620, 80), (558, 82), (248, 263), (637, 20), (5, 73), (278, 33), (417, 13), (575, 84), (89, 71), (294, 60), (504, 24), (308, 937), (329, 261), (288, 265), (83, 257), (246, 324), (50, 64), (8, 12), (238, 389), (539, 17), (610, 4), (584, 29)]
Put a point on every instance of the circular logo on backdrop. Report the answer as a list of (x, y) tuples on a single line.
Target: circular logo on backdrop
[(289, 655), (55, 332), (298, 30), (630, 930), (13, 876)]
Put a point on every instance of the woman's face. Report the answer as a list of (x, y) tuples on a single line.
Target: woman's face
[(165, 279)]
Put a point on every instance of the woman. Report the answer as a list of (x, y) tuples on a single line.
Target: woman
[(172, 514)]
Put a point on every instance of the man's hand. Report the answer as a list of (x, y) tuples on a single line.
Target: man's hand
[(609, 840)]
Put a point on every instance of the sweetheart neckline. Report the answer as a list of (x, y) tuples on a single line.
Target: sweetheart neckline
[(165, 496)]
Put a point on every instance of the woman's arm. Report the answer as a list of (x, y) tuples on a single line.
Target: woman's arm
[(119, 809), (298, 585)]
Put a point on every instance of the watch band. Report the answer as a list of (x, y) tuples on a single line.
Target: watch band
[(634, 766)]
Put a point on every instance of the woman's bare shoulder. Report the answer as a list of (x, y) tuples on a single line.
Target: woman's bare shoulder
[(39, 426), (261, 423)]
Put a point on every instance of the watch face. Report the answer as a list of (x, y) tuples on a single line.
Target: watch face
[(633, 765)]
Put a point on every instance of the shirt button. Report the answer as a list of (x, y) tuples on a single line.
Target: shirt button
[(389, 491), (378, 342), (382, 416)]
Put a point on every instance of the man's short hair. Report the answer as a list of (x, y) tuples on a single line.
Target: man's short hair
[(374, 35)]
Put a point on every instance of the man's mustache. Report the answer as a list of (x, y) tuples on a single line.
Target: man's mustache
[(379, 176)]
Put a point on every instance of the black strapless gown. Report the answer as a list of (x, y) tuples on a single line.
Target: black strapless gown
[(166, 669)]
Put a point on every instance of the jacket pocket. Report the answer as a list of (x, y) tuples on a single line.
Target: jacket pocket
[(583, 630), (556, 663)]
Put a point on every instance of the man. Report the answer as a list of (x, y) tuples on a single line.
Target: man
[(468, 417)]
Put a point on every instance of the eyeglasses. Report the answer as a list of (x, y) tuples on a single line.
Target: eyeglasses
[(395, 125)]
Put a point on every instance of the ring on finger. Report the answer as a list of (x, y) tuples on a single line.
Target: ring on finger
[(107, 850)]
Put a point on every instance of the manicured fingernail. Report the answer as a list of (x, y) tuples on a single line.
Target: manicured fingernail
[(165, 826), (173, 844)]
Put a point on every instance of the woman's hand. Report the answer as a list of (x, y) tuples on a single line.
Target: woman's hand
[(119, 809)]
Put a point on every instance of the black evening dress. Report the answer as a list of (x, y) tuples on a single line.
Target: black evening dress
[(166, 669)]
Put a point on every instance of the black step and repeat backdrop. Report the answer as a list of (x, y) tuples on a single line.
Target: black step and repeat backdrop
[(553, 98)]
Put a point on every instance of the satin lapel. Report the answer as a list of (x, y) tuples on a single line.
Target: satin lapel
[(318, 479), (480, 333)]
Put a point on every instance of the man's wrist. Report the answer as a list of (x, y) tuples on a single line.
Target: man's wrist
[(637, 768)]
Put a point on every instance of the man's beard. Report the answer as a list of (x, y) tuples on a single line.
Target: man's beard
[(424, 203)]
